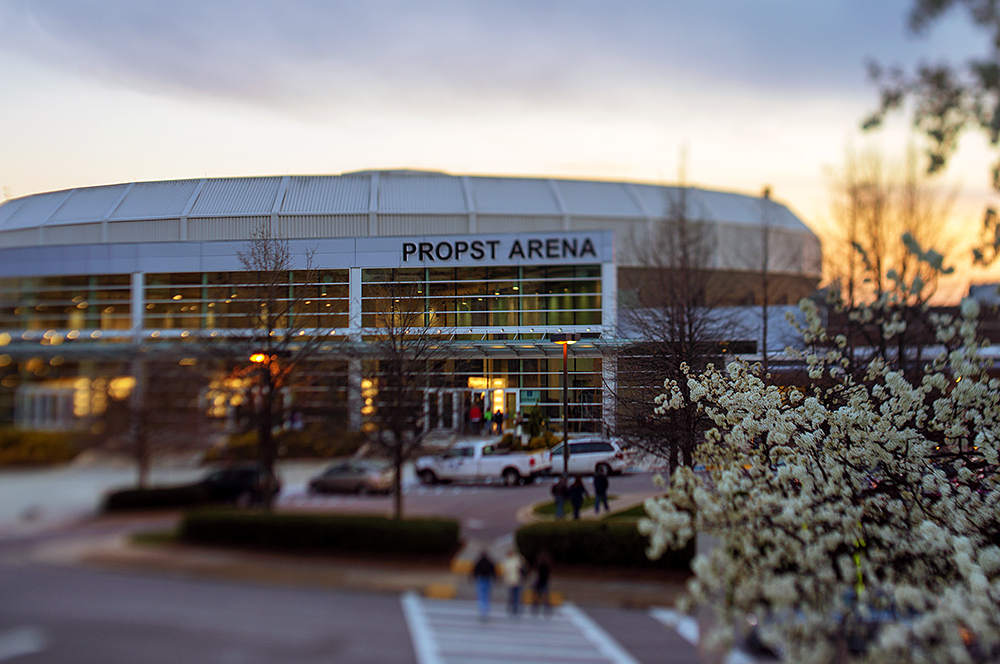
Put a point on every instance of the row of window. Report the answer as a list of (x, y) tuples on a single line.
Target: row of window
[(449, 297)]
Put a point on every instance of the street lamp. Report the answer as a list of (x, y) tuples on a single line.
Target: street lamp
[(565, 339)]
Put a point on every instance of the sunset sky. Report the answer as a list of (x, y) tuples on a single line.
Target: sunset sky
[(769, 92)]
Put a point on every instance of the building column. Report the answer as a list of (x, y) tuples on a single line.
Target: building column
[(609, 377), (137, 304), (354, 304), (609, 300), (355, 402)]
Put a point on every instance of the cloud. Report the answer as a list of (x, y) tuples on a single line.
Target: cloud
[(314, 53)]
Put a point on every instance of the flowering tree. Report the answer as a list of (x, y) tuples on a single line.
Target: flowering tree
[(856, 515)]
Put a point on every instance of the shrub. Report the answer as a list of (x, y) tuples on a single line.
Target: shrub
[(31, 448), (311, 533), (547, 440), (314, 442), (597, 544), (158, 498)]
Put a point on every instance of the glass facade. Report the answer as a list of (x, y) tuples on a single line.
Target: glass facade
[(225, 301), (506, 296), (475, 310), (101, 302)]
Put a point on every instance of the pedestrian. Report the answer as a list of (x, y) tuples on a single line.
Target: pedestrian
[(475, 418), (601, 491), (487, 421), (559, 493), (498, 418), (577, 492), (483, 574), (543, 573), (514, 570)]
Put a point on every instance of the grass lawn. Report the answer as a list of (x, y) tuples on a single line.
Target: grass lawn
[(634, 513), (549, 508), (155, 537)]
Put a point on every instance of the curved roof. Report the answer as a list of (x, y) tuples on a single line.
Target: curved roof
[(398, 203), (380, 192)]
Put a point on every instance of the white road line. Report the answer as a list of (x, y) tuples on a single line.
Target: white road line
[(446, 632), (607, 645), (20, 642), (686, 626), (420, 630)]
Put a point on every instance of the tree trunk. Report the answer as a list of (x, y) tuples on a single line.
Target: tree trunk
[(266, 452), (397, 482)]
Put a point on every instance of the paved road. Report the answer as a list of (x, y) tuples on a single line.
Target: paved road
[(65, 615)]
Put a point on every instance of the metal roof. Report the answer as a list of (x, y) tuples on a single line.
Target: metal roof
[(393, 203), (396, 192)]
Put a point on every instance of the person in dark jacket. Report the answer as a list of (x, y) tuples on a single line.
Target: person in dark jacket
[(542, 568), (577, 492), (601, 492), (559, 494), (483, 574)]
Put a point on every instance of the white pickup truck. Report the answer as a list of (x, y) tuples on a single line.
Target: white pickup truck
[(481, 461)]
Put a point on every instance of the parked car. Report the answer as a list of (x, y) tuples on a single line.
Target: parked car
[(588, 456), (243, 484), (354, 476), (481, 461)]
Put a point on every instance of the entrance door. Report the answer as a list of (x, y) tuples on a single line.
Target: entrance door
[(511, 408)]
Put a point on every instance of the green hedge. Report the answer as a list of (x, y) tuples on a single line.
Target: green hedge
[(159, 498), (597, 544), (321, 533), (36, 448), (313, 442)]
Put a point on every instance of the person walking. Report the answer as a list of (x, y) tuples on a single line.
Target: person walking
[(543, 573), (559, 493), (601, 492), (487, 421), (577, 492), (475, 418), (514, 569), (498, 418), (483, 574)]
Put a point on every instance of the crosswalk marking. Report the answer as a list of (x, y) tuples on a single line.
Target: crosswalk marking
[(687, 628), (20, 642), (450, 632)]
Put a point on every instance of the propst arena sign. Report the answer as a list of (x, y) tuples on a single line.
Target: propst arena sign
[(514, 249)]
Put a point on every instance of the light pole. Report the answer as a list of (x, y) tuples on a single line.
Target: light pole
[(565, 339)]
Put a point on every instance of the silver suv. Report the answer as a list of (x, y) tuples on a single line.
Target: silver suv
[(589, 456)]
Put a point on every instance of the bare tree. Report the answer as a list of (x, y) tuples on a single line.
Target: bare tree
[(402, 355), (766, 259), (669, 321), (883, 221), (141, 417), (278, 337), (874, 206)]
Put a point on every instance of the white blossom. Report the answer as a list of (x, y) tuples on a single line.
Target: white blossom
[(831, 499)]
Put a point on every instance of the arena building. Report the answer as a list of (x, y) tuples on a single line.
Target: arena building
[(91, 276)]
